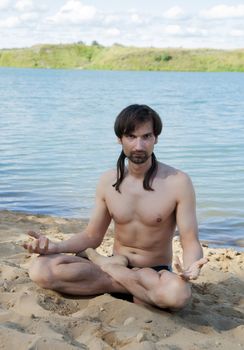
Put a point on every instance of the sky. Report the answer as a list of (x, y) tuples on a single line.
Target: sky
[(141, 23)]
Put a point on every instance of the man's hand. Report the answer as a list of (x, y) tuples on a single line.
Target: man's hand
[(192, 272), (40, 245)]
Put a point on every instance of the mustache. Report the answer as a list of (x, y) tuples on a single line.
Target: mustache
[(138, 153)]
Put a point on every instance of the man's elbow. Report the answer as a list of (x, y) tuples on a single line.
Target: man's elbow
[(95, 242)]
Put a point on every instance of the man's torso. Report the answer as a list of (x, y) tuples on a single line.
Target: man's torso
[(144, 221)]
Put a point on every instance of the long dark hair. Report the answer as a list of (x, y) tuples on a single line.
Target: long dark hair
[(125, 123)]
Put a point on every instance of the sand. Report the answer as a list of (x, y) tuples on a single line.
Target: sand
[(35, 318)]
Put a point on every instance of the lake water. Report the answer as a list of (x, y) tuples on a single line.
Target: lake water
[(56, 138)]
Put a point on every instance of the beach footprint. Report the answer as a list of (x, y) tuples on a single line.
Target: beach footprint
[(56, 303)]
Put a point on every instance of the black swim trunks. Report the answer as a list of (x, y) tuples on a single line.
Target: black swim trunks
[(159, 267), (129, 297)]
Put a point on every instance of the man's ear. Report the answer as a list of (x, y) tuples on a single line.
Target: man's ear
[(119, 140), (156, 140)]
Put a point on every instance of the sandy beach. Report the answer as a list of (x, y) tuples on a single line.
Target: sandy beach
[(35, 318)]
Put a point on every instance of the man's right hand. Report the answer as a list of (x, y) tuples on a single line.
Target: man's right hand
[(40, 245)]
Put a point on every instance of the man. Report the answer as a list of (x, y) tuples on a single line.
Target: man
[(145, 199)]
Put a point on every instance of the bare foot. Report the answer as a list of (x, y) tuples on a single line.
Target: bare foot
[(82, 254), (139, 302), (116, 271), (100, 260)]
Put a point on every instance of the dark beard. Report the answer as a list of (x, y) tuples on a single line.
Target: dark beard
[(138, 157)]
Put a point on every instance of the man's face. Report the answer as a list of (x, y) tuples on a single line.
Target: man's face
[(138, 146)]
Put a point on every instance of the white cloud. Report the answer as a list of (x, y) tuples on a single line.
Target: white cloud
[(113, 32), (29, 16), (174, 12), (173, 29), (125, 19), (237, 33), (74, 12), (111, 18), (24, 5), (4, 4), (135, 18), (9, 22), (224, 11), (194, 31), (28, 22)]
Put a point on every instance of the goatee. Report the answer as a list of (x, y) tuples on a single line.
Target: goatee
[(138, 157)]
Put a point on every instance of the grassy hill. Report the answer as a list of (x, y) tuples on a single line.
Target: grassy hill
[(117, 57)]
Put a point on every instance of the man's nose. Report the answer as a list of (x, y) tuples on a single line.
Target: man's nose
[(139, 144)]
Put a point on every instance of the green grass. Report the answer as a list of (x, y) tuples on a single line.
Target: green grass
[(117, 57)]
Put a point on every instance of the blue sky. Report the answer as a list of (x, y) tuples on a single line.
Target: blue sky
[(157, 23)]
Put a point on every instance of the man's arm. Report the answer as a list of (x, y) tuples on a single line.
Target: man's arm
[(92, 236), (188, 229)]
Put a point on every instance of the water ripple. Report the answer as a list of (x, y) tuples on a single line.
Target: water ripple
[(56, 138)]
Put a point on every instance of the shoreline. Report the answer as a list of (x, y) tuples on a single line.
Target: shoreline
[(118, 57), (32, 317), (123, 70), (237, 244)]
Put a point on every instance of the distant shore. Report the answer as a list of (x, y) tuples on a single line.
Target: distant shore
[(118, 57), (32, 317)]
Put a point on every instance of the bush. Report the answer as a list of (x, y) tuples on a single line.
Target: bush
[(164, 57)]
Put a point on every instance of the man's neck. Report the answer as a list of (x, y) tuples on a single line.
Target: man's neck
[(139, 170)]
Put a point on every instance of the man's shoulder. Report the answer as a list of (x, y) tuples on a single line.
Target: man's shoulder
[(173, 174), (108, 176), (107, 179)]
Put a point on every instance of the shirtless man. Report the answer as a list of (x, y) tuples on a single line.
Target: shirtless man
[(146, 200)]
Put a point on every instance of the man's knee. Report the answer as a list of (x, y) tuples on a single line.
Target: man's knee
[(40, 272), (174, 294), (181, 294)]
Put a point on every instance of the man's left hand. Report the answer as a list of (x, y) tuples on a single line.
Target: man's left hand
[(193, 271)]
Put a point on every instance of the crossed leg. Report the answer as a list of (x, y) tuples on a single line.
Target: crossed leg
[(72, 275), (78, 276), (100, 260), (163, 289)]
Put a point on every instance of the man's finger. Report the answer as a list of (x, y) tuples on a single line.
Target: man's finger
[(46, 243), (202, 262), (185, 278), (34, 234), (33, 245), (43, 243), (178, 265), (25, 245), (194, 272)]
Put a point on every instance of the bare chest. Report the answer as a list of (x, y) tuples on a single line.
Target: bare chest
[(150, 208)]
